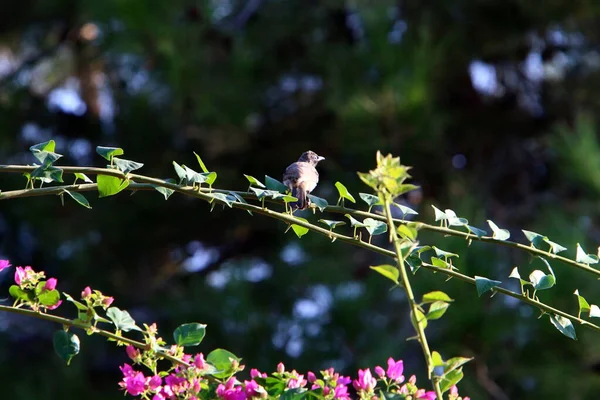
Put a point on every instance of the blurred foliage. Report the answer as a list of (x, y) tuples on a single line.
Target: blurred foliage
[(484, 99)]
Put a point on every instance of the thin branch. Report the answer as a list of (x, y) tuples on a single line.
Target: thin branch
[(204, 194)]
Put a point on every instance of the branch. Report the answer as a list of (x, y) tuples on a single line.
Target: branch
[(204, 194)]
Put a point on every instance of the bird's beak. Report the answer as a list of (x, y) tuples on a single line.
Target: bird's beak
[(320, 158)]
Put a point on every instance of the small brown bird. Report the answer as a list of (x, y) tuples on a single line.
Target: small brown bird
[(302, 177)]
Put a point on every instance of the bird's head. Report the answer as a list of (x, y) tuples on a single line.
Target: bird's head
[(311, 157)]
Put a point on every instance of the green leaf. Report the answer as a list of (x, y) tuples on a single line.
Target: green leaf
[(66, 345), (49, 298), (407, 232), (44, 152), (476, 231), (375, 227), (192, 176), (436, 296), (454, 220), (442, 253), (555, 247), (163, 190), (515, 274), (418, 318), (180, 171), (47, 174), (438, 262), (78, 197), (222, 360), (594, 311), (318, 201), (83, 177), (80, 306), (189, 334), (223, 198), (332, 224), (354, 222), (286, 198), (369, 179), (122, 319), (437, 359), (584, 258), (389, 271), (126, 166), (564, 326), (370, 199), (536, 239), (240, 199), (254, 181), (439, 214), (202, 166), (584, 306), (499, 234), (209, 177), (450, 379), (344, 194), (437, 309), (109, 152), (300, 230), (274, 184), (484, 284), (110, 185), (454, 363), (405, 210), (541, 281), (20, 294)]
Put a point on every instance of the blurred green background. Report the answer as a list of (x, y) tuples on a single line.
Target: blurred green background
[(493, 103)]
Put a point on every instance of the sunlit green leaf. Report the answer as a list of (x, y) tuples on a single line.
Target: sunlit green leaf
[(437, 310), (478, 232), (47, 174), (555, 247), (180, 171), (418, 318), (254, 181), (109, 152), (83, 177), (370, 199), (126, 166), (223, 362), (439, 214), (451, 379), (240, 199), (405, 210), (202, 166), (442, 253), (375, 227), (541, 281), (223, 198), (354, 222), (319, 202), (20, 294), (407, 232), (389, 271), (332, 224), (344, 193), (584, 306), (44, 152), (584, 258), (484, 284), (49, 298), (110, 185), (536, 239), (163, 190), (564, 325), (499, 234), (436, 296), (122, 319), (274, 184), (515, 274), (300, 230), (454, 220), (594, 311), (438, 262)]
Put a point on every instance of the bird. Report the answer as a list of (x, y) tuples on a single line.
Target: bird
[(302, 177)]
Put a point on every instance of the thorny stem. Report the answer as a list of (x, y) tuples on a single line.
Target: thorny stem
[(414, 307), (141, 182)]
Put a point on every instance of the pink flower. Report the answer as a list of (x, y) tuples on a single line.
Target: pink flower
[(154, 382), (107, 301), (379, 371), (54, 307), (311, 376), (199, 361), (341, 392), (50, 284), (133, 382), (421, 394), (4, 264), (454, 390), (412, 380), (231, 392), (87, 292), (132, 352), (365, 381), (280, 368), (22, 275), (256, 373), (251, 388), (395, 369), (296, 382), (175, 383)]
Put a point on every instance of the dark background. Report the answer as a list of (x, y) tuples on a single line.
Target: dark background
[(493, 103)]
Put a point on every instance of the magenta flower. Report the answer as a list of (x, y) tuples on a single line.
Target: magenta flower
[(280, 368), (311, 376), (229, 391), (296, 382), (22, 275), (365, 381), (199, 361), (251, 388), (379, 371), (395, 369), (132, 352), (107, 301), (50, 284), (87, 292), (154, 382), (133, 382), (256, 373), (4, 264), (176, 383), (421, 394), (341, 392)]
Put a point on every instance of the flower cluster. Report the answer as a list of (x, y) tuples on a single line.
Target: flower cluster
[(32, 289)]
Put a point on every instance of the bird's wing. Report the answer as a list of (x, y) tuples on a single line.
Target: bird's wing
[(301, 173)]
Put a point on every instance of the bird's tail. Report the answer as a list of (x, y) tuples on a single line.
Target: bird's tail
[(300, 194)]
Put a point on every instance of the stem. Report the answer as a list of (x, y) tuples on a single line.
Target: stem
[(80, 325), (414, 307)]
